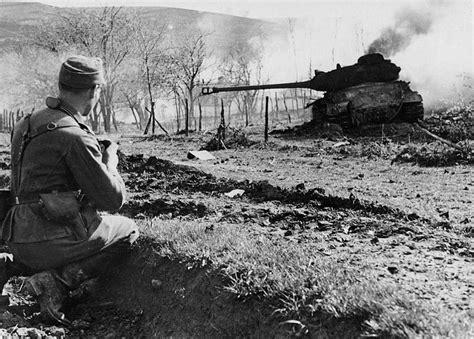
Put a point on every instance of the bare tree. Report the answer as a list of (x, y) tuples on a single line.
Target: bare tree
[(26, 75), (105, 33), (186, 64), (152, 62), (130, 89), (243, 66)]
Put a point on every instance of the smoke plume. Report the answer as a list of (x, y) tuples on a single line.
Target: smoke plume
[(407, 25)]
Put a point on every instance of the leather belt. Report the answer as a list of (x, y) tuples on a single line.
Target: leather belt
[(35, 198), (25, 199)]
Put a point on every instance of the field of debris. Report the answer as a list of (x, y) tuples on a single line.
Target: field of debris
[(314, 233)]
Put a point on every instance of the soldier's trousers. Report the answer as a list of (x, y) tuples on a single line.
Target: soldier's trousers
[(111, 239)]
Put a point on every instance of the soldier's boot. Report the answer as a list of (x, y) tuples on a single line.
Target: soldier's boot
[(8, 269), (50, 294), (75, 274)]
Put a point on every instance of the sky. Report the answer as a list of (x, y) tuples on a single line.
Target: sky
[(245, 8), (437, 53)]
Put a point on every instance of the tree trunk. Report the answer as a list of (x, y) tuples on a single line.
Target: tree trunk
[(186, 128), (200, 116), (284, 102), (135, 117), (191, 106), (114, 121), (296, 97), (106, 109), (178, 112)]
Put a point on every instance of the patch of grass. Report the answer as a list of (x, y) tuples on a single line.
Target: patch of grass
[(299, 282), (456, 123), (376, 148), (433, 154)]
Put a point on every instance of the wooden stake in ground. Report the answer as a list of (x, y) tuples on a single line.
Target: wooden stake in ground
[(148, 122), (155, 121), (266, 118), (221, 128), (447, 142), (200, 116)]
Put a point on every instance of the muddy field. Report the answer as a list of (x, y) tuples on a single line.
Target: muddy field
[(411, 225)]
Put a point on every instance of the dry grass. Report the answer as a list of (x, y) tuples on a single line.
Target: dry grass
[(302, 284)]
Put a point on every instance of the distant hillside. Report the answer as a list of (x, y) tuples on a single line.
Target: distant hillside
[(19, 19)]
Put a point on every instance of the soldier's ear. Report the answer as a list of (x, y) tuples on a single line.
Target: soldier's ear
[(95, 92)]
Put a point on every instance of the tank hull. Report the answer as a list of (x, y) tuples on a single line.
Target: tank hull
[(369, 103)]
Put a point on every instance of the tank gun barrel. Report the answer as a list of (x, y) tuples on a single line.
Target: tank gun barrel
[(212, 90), (369, 68)]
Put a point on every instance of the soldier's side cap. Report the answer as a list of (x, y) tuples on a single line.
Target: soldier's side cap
[(82, 72)]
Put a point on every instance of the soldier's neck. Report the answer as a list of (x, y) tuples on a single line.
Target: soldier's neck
[(75, 106)]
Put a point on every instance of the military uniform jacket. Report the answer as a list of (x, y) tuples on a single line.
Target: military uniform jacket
[(65, 158)]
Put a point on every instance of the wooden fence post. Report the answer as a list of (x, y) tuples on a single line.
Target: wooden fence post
[(266, 118)]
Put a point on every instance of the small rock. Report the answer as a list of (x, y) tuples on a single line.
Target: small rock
[(324, 225), (209, 228), (57, 332), (300, 187), (235, 193), (340, 144), (156, 284), (80, 324), (392, 269), (140, 216), (374, 240), (444, 214)]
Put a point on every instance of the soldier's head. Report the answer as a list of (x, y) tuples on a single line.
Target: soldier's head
[(81, 79)]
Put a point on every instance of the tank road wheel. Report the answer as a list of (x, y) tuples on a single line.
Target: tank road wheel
[(319, 108), (343, 120), (411, 112), (375, 106)]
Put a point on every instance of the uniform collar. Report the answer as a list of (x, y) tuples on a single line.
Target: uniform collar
[(56, 103)]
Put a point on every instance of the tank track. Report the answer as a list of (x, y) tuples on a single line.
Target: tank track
[(411, 112), (319, 111), (343, 120)]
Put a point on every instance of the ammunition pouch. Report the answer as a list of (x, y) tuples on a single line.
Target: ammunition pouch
[(60, 207)]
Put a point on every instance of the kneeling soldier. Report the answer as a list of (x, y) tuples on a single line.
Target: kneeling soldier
[(61, 177)]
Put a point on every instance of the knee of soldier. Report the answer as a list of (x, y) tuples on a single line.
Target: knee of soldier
[(117, 228), (134, 233), (129, 229)]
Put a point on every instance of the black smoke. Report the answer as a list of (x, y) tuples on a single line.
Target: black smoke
[(396, 38)]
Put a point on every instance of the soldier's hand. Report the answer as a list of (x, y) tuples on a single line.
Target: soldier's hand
[(104, 143)]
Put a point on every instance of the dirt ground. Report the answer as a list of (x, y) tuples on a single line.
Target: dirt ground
[(413, 225)]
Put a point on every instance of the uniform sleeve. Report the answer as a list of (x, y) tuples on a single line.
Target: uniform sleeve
[(103, 187)]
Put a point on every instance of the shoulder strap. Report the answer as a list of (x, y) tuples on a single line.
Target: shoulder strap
[(51, 126), (29, 134)]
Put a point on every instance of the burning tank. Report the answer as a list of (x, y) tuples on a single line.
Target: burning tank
[(367, 92)]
